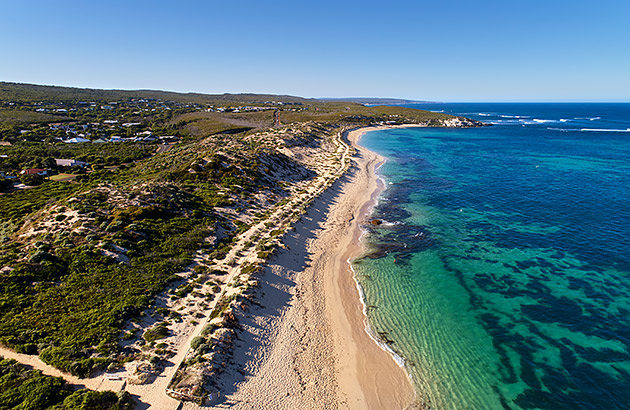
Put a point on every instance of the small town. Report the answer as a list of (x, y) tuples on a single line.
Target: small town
[(147, 125)]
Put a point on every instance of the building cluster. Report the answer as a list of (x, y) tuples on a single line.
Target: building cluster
[(106, 132), (139, 106), (59, 163)]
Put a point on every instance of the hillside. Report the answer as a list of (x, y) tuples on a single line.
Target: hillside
[(375, 101), (17, 92)]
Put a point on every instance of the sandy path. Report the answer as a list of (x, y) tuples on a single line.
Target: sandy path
[(36, 363)]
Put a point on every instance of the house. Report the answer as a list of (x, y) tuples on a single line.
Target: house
[(5, 176), (69, 163), (33, 171), (76, 140), (59, 126), (169, 138), (99, 141)]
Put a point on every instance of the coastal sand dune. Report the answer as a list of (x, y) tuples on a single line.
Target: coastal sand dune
[(303, 343), (305, 346)]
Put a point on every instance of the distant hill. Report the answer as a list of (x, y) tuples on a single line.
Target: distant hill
[(28, 93), (17, 92), (376, 101)]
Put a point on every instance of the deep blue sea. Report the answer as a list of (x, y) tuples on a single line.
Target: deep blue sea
[(501, 273)]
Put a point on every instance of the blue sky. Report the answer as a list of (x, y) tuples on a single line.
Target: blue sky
[(446, 50)]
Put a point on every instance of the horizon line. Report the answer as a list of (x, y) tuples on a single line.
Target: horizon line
[(411, 100)]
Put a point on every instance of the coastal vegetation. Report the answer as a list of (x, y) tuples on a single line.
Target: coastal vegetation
[(100, 264), (22, 388)]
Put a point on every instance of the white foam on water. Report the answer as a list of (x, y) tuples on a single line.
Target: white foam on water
[(400, 361), (604, 130), (513, 116)]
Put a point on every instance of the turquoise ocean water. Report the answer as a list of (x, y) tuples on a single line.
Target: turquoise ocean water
[(501, 273)]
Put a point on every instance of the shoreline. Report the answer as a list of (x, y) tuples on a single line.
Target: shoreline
[(379, 388), (371, 204)]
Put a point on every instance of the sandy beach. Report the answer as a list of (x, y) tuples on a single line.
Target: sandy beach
[(368, 376), (306, 345)]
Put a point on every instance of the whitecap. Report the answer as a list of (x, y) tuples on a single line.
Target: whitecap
[(513, 116), (604, 130), (526, 122)]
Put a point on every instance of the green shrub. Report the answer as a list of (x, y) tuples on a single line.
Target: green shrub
[(196, 342), (160, 331)]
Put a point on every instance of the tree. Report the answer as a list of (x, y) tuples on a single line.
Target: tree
[(49, 162), (31, 180), (5, 184)]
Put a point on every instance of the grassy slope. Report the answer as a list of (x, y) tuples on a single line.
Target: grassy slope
[(23, 117)]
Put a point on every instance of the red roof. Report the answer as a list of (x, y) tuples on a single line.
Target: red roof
[(32, 171)]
